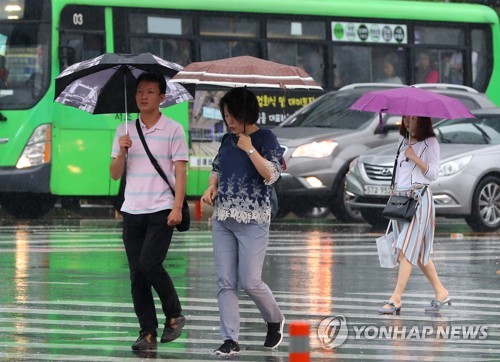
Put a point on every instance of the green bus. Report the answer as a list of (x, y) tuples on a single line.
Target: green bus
[(50, 151)]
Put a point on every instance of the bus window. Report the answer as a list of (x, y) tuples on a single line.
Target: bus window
[(389, 65), (290, 29), (24, 51), (453, 65), (228, 26), (481, 68), (298, 43), (218, 49), (4, 74), (426, 67), (309, 57), (158, 33), (76, 47), (351, 64), (439, 35), (174, 50), (81, 34), (440, 66), (154, 23), (362, 64)]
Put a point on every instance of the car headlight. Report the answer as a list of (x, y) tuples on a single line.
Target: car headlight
[(353, 164), (452, 167), (37, 150), (316, 149)]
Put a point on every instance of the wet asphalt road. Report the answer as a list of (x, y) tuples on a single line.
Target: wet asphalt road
[(64, 294)]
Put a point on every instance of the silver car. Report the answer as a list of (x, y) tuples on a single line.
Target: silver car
[(322, 139), (468, 184)]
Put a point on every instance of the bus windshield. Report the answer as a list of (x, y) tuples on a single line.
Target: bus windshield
[(24, 52)]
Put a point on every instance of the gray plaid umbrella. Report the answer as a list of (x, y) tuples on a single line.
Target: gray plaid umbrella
[(106, 84)]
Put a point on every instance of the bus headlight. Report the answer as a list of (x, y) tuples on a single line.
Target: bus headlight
[(316, 149), (38, 148)]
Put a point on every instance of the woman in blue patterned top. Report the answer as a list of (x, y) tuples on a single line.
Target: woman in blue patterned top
[(247, 164)]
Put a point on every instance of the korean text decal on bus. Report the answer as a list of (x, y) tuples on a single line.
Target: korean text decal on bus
[(50, 152)]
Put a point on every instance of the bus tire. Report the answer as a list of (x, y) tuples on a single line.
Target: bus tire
[(27, 205)]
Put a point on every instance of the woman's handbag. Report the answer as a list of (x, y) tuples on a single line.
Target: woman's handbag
[(186, 216), (401, 208), (385, 248)]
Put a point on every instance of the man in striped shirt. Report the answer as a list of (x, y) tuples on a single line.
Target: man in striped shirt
[(150, 211)]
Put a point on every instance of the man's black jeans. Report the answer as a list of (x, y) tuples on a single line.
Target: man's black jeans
[(147, 238)]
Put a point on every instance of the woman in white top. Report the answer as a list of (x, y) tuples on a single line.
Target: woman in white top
[(417, 167)]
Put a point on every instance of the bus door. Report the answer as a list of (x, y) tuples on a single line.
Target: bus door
[(82, 141)]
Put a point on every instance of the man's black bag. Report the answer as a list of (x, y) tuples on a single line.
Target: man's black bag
[(186, 216), (120, 198)]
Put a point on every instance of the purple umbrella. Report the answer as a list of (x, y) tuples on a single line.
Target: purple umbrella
[(412, 101)]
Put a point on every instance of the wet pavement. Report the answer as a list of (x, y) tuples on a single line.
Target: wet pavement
[(64, 294)]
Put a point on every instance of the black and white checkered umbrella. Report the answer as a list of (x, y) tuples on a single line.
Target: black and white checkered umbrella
[(106, 84)]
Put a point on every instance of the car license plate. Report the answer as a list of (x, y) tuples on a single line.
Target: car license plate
[(377, 190)]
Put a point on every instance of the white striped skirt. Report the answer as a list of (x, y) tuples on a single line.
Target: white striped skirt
[(414, 239)]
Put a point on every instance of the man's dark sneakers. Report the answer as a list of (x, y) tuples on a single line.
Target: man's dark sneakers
[(145, 342), (228, 348), (274, 334), (173, 329)]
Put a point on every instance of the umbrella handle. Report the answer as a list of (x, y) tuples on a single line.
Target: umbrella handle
[(126, 105), (409, 132)]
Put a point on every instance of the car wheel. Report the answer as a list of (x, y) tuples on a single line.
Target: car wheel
[(27, 205), (374, 217), (312, 212), (485, 212), (283, 210), (339, 206)]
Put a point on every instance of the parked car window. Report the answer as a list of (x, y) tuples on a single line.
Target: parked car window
[(332, 112), (482, 130)]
